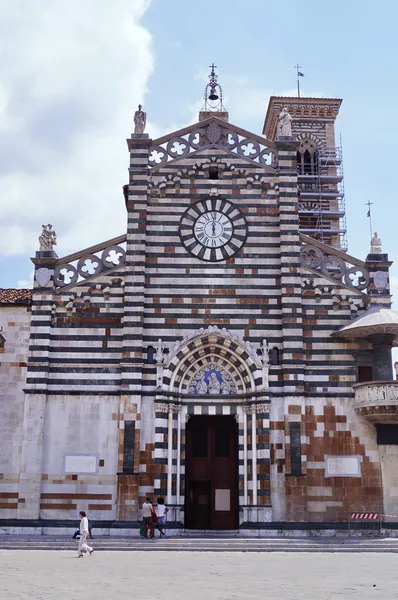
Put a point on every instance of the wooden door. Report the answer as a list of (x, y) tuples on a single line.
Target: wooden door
[(211, 500)]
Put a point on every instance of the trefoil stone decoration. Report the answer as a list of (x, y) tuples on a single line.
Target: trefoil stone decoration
[(335, 267), (48, 238), (139, 120), (210, 135), (89, 265)]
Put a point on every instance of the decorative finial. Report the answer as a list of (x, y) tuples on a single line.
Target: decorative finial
[(139, 120), (213, 93)]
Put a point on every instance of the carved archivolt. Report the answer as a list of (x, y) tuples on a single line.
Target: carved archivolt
[(213, 329)]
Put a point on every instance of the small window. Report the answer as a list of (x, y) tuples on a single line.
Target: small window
[(299, 165), (2, 341), (150, 355), (213, 172), (274, 356), (307, 163), (199, 442)]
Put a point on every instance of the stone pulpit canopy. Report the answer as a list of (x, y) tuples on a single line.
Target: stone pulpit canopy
[(376, 400), (375, 321)]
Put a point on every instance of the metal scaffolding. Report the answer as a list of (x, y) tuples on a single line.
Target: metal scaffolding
[(322, 201)]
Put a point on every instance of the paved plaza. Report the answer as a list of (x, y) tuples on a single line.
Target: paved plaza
[(59, 575)]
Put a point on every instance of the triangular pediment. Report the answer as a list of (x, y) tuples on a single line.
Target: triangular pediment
[(213, 133)]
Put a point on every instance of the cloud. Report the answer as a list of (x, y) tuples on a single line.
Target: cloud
[(72, 77)]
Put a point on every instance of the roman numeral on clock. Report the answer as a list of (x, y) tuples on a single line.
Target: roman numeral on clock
[(212, 223)]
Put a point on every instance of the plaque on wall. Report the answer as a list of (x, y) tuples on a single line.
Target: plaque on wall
[(343, 466), (84, 464), (223, 500)]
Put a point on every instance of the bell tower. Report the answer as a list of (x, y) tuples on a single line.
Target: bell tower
[(321, 203)]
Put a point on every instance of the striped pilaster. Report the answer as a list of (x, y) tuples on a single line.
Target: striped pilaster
[(133, 320), (290, 273), (41, 324)]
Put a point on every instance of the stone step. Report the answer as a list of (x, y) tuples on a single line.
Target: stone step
[(205, 545)]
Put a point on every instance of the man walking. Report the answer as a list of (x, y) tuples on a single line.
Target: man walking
[(83, 546), (147, 509)]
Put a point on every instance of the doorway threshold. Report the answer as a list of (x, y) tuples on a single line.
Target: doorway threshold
[(209, 533)]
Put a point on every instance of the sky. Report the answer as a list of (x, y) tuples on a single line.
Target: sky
[(72, 74)]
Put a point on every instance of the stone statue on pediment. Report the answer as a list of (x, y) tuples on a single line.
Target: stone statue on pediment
[(284, 125), (48, 238), (139, 120), (375, 244)]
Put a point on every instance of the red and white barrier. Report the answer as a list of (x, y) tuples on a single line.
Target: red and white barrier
[(365, 516)]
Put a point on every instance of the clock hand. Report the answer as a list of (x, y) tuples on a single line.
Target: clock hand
[(213, 228)]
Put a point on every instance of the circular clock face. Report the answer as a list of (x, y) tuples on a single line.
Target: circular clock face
[(213, 229)]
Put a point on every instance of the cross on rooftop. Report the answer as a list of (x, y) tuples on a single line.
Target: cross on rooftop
[(212, 67)]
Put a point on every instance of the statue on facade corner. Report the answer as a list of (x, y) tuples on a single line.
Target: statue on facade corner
[(159, 356), (375, 244), (139, 120), (265, 353), (48, 238), (284, 125)]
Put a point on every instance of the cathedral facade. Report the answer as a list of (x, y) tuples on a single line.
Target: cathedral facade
[(224, 352)]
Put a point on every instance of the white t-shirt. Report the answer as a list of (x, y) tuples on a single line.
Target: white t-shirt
[(146, 509), (84, 525), (160, 510)]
